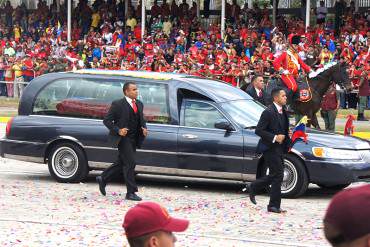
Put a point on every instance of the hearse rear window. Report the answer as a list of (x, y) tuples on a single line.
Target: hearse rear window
[(87, 98)]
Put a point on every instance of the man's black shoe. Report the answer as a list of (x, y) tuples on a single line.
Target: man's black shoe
[(102, 185), (360, 117), (252, 195), (275, 210), (133, 197)]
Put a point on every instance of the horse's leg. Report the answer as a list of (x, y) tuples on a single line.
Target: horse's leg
[(309, 122), (314, 121)]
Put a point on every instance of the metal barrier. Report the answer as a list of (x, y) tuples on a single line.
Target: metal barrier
[(15, 87), (18, 83)]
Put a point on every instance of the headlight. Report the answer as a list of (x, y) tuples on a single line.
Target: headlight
[(338, 154)]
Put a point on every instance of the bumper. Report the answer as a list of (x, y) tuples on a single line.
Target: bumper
[(337, 172), (22, 150)]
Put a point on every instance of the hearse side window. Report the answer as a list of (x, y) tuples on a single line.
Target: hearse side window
[(91, 98), (77, 97), (201, 115), (155, 99)]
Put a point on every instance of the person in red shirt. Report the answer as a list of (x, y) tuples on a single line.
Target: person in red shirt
[(289, 65), (137, 32), (183, 69), (363, 92), (200, 58), (329, 108), (235, 74), (354, 75), (243, 58), (28, 72), (227, 74)]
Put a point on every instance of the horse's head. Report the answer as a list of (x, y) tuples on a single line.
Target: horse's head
[(341, 76)]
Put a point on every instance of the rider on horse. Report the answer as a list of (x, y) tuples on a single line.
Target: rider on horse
[(289, 65)]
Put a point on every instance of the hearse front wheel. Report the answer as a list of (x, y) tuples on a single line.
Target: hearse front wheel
[(295, 181), (67, 163)]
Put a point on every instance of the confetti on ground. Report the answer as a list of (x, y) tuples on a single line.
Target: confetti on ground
[(37, 211)]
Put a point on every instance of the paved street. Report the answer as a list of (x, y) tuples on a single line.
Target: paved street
[(37, 211)]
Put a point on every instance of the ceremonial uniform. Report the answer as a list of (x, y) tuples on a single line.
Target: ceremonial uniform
[(290, 62)]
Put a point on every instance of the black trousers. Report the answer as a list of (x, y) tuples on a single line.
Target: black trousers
[(274, 161), (125, 163)]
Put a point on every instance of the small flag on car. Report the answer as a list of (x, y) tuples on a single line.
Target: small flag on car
[(299, 131), (349, 128)]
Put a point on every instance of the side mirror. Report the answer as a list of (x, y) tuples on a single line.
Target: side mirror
[(224, 125)]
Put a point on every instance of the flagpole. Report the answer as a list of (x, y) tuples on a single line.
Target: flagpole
[(69, 19), (143, 18)]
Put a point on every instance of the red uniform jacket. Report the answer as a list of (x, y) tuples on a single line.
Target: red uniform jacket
[(284, 61)]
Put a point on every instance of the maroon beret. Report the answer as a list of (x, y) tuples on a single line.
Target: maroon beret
[(349, 212)]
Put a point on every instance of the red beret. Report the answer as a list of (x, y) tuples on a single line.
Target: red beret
[(147, 217), (349, 212)]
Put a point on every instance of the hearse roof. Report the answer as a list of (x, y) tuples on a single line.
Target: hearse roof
[(216, 90), (128, 73)]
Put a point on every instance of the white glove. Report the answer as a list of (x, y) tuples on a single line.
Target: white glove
[(312, 74), (286, 72)]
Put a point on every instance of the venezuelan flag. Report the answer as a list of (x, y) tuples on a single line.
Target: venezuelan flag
[(59, 31), (299, 131)]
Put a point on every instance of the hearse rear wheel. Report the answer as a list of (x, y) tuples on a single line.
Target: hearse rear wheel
[(67, 163)]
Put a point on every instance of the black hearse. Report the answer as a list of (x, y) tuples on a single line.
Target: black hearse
[(197, 127)]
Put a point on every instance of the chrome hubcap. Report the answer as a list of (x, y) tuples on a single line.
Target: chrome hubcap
[(290, 177), (65, 162)]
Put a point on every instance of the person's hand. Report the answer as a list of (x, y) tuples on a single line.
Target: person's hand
[(290, 133), (280, 138), (123, 131), (145, 131)]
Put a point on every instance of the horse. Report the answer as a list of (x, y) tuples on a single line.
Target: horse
[(318, 85)]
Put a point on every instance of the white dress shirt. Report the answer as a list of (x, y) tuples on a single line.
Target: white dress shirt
[(258, 91), (129, 100), (280, 109)]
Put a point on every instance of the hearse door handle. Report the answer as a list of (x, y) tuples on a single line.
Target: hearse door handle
[(190, 136)]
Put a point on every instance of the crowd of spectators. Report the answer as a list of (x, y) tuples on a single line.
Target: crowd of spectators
[(34, 42)]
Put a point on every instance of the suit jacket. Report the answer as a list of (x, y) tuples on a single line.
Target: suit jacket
[(118, 118), (252, 92), (268, 126)]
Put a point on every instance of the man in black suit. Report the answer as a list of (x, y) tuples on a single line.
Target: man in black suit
[(256, 89), (127, 130), (273, 128)]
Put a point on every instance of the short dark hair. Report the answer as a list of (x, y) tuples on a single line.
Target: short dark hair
[(141, 240), (255, 77), (276, 91), (127, 85)]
